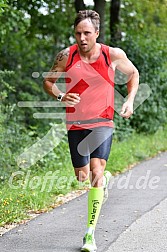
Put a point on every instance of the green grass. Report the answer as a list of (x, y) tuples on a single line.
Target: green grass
[(37, 188), (136, 148)]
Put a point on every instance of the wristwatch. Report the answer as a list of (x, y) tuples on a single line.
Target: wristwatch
[(60, 97)]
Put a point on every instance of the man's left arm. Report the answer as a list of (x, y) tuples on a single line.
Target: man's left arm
[(132, 87), (124, 65)]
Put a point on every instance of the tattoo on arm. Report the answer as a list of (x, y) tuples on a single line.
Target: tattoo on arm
[(61, 54), (60, 57)]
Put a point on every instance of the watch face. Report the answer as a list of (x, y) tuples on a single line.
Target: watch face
[(59, 97)]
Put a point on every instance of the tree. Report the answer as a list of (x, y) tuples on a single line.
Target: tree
[(114, 21), (100, 8), (79, 5)]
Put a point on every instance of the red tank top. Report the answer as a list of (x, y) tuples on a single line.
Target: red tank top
[(94, 83)]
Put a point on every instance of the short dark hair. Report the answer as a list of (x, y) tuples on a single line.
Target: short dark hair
[(90, 14)]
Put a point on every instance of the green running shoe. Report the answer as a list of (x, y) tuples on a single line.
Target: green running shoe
[(89, 244), (107, 176)]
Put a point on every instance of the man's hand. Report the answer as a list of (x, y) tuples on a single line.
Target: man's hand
[(127, 109), (71, 99)]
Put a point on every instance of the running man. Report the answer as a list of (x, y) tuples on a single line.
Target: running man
[(89, 98)]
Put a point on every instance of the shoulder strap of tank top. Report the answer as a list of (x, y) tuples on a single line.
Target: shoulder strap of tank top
[(106, 55), (73, 52)]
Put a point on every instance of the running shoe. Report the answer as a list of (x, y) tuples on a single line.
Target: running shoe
[(89, 244), (107, 176)]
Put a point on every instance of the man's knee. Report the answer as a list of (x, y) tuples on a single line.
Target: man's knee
[(97, 170), (98, 163), (82, 174), (97, 173)]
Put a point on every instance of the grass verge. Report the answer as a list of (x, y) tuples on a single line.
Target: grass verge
[(136, 148)]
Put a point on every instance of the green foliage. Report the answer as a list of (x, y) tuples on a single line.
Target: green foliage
[(5, 87), (151, 63), (3, 5), (148, 19), (5, 116), (31, 34), (123, 128)]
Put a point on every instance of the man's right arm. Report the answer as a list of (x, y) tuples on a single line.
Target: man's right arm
[(55, 72)]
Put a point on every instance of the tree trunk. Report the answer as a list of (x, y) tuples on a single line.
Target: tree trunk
[(100, 8), (114, 21), (79, 5)]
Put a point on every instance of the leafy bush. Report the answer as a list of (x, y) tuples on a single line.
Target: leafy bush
[(149, 55), (143, 29)]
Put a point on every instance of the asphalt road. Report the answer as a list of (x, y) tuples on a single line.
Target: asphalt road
[(134, 219)]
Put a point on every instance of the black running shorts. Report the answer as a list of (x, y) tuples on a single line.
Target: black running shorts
[(89, 143)]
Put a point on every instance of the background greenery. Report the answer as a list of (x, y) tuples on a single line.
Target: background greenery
[(31, 33)]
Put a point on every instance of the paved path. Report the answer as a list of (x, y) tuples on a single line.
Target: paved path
[(146, 234), (134, 219)]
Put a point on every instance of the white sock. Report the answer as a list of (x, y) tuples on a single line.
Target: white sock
[(90, 230), (104, 181)]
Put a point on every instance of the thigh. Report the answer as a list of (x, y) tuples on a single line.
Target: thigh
[(79, 153), (101, 142)]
